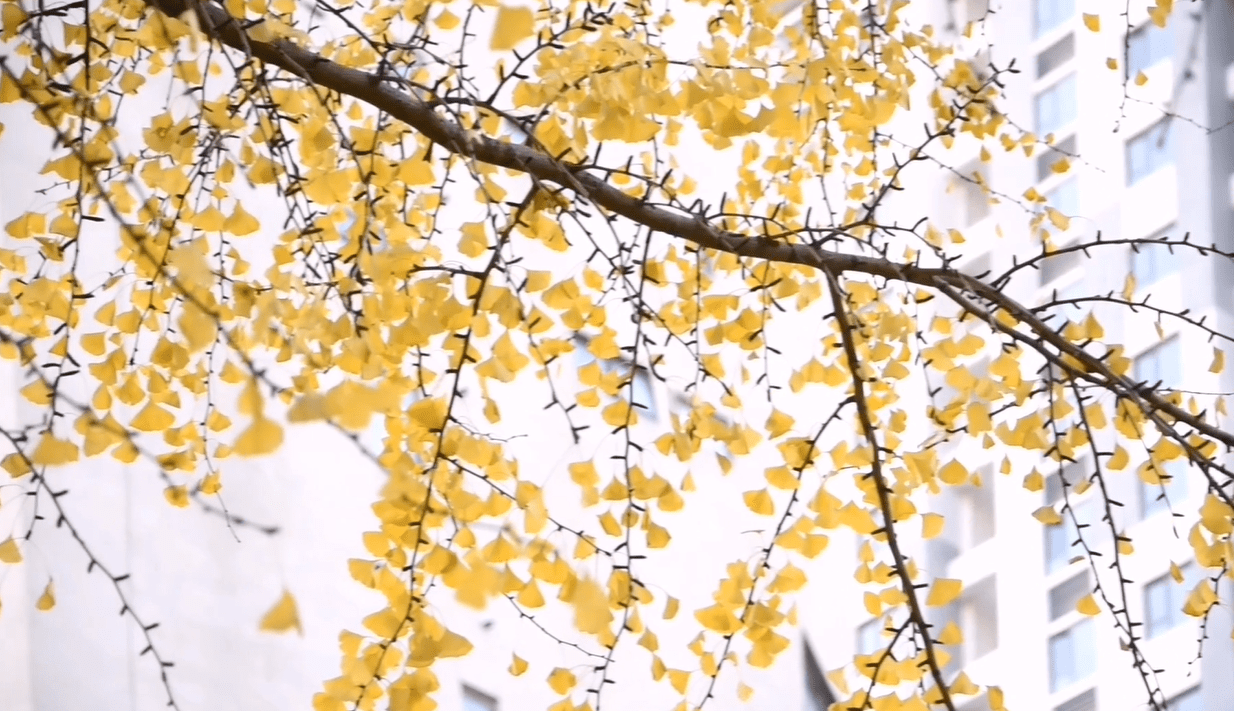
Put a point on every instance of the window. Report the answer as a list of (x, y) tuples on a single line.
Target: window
[(1056, 55), (1160, 364), (1147, 46), (1065, 595), (1152, 500), (1061, 539), (1056, 106), (1149, 152), (978, 512), (1065, 198), (1189, 700), (1152, 262), (973, 196), (870, 637), (477, 700), (1073, 656), (975, 10), (979, 619), (1164, 599), (1052, 13), (1086, 701), (873, 637), (639, 392), (1057, 265), (818, 694), (1053, 154)]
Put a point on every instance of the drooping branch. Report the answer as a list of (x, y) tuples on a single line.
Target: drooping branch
[(384, 94)]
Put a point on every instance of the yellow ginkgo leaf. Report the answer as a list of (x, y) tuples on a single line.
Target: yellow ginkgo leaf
[(16, 465), (240, 222), (1141, 78), (52, 451), (517, 666), (591, 611), (778, 423), (1218, 364), (679, 680), (1215, 515), (951, 635), (561, 680), (262, 437), (931, 525), (177, 496), (9, 552), (1057, 218), (718, 618), (152, 418), (943, 591), (744, 692), (283, 616), (759, 502), (513, 25), (1048, 516), (47, 600), (1088, 606), (211, 484), (1092, 22), (670, 607)]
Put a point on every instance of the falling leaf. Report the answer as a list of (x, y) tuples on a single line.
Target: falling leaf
[(283, 616), (513, 25), (1092, 22)]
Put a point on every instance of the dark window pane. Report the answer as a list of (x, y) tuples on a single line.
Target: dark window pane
[(1052, 13), (1084, 702), (1056, 55), (1065, 595), (1149, 152), (1056, 106), (1152, 262), (1189, 700), (1055, 266), (1053, 154), (1161, 364), (1147, 46)]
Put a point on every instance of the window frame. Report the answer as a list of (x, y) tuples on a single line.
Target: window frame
[(1154, 162), (1164, 262), (472, 695), (1082, 647), (1172, 343), (1149, 30), (1176, 594), (1071, 80), (1176, 490), (1048, 63), (1064, 15)]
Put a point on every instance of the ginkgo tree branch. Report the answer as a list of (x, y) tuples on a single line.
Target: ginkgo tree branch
[(384, 95), (844, 318)]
